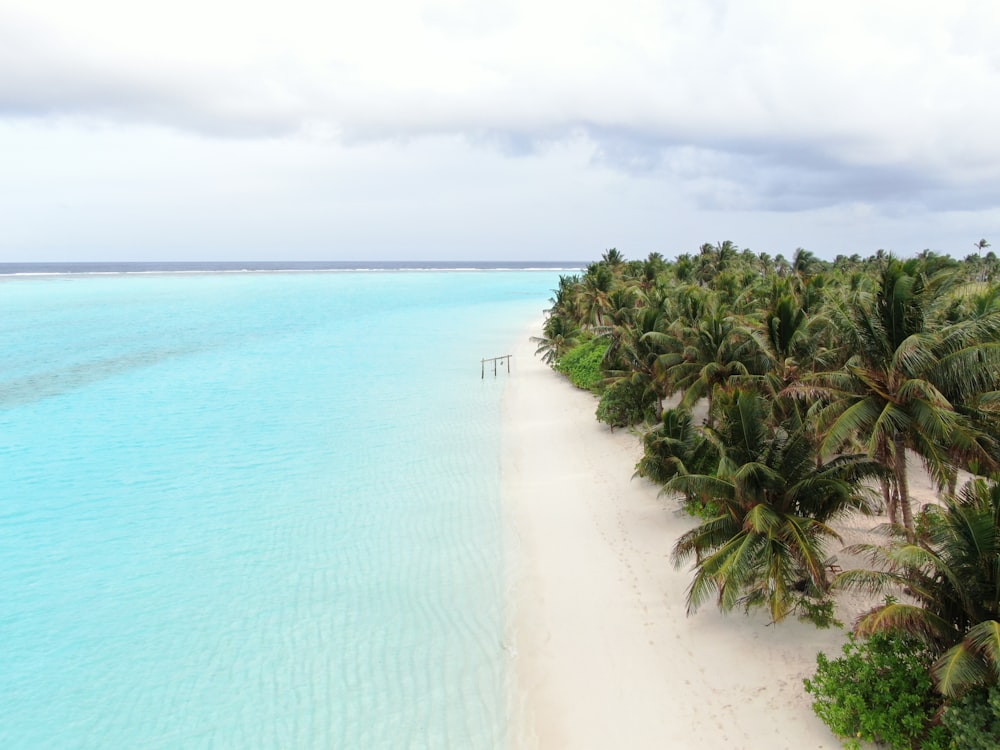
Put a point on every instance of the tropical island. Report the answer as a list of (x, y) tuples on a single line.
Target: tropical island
[(780, 402)]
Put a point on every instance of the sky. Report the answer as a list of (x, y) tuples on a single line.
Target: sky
[(495, 130)]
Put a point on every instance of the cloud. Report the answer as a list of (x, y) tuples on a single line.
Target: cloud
[(776, 106), (45, 76)]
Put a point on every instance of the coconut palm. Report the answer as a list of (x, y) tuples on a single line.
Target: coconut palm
[(951, 573), (804, 265), (715, 350), (784, 341), (674, 447), (620, 306), (632, 355), (766, 263), (895, 393), (566, 299), (593, 293), (560, 334), (613, 258), (774, 503), (714, 259), (781, 265), (684, 268), (647, 272)]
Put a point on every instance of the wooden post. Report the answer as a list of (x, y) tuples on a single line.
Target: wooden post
[(494, 360)]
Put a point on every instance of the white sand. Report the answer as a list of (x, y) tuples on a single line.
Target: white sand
[(604, 652)]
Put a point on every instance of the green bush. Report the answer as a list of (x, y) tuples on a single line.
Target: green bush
[(974, 720), (582, 364), (625, 403), (879, 691)]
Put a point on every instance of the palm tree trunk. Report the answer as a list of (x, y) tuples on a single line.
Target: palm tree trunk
[(889, 495), (902, 486), (889, 500)]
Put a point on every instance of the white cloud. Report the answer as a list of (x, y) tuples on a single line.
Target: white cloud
[(779, 106)]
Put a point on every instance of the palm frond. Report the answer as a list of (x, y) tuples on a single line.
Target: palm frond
[(869, 582), (958, 669), (984, 638), (963, 372), (803, 535), (707, 536), (905, 618), (847, 420), (701, 485), (914, 355)]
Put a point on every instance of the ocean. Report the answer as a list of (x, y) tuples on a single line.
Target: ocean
[(244, 508)]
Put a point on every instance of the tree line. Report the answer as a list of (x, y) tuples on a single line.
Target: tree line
[(816, 380)]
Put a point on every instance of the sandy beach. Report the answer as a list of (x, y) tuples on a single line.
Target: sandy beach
[(604, 653)]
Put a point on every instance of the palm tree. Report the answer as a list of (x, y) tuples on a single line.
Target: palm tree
[(674, 447), (786, 337), (989, 266), (649, 271), (774, 503), (613, 258), (766, 263), (714, 259), (620, 305), (566, 299), (593, 291), (804, 265), (894, 392), (684, 268), (632, 355), (560, 334), (716, 350), (952, 571), (781, 265)]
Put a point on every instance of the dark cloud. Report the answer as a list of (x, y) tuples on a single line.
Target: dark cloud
[(770, 174)]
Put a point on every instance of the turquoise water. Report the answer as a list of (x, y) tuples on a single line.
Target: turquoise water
[(254, 510)]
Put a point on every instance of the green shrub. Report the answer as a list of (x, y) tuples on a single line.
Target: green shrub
[(625, 403), (974, 720), (879, 691), (582, 364)]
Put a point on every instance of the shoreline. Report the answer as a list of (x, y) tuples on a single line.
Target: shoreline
[(603, 653)]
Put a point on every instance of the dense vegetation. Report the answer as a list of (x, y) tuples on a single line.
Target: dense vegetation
[(879, 691), (815, 380)]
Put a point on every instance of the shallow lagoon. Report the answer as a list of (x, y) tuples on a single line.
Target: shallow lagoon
[(254, 510)]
